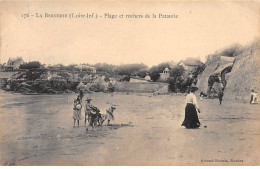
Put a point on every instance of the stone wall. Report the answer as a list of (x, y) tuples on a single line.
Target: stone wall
[(146, 87)]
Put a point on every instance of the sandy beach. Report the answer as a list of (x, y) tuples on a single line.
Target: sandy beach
[(38, 130)]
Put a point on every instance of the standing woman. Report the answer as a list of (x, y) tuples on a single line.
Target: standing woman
[(191, 117)]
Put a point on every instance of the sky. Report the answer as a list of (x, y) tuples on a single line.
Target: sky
[(200, 29)]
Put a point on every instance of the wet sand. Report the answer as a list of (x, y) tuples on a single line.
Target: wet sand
[(38, 130)]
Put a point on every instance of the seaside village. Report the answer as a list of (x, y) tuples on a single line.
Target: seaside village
[(221, 73)]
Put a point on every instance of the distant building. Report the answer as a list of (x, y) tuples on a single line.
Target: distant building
[(87, 67), (14, 63), (164, 75), (190, 64), (147, 78), (112, 81)]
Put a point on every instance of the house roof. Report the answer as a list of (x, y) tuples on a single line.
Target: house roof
[(166, 69), (12, 59)]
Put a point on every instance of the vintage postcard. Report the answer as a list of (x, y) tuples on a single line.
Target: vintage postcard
[(143, 83)]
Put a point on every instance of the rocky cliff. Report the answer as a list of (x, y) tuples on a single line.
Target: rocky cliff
[(244, 75), (239, 72), (215, 69)]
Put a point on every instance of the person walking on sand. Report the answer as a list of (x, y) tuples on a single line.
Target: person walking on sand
[(220, 96), (81, 95), (110, 115), (201, 95), (77, 112), (191, 117), (253, 97)]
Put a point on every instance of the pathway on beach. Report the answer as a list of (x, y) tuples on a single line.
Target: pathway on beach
[(38, 130)]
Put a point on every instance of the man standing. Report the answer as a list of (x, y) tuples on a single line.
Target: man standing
[(87, 109), (220, 96), (253, 97)]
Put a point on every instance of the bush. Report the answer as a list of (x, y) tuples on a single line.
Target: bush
[(198, 70), (142, 73), (68, 68), (34, 74), (155, 75), (63, 74), (179, 81), (106, 79), (104, 67), (175, 84), (126, 78), (177, 71), (156, 70), (128, 69), (176, 79), (30, 65)]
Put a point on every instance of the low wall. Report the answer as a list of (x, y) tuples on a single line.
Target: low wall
[(146, 87)]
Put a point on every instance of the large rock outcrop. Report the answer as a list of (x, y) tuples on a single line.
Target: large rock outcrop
[(214, 73), (39, 81), (237, 74), (244, 75)]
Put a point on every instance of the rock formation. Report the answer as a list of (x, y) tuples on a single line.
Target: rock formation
[(235, 75)]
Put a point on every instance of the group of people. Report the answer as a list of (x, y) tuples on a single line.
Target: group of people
[(92, 113), (191, 120)]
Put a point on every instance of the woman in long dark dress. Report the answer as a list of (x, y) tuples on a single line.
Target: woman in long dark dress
[(191, 116)]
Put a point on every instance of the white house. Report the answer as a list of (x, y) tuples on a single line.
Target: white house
[(147, 78), (190, 64), (14, 63), (165, 74), (89, 68)]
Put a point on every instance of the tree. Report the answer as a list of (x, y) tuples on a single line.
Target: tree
[(104, 67), (33, 74), (175, 84), (126, 78), (177, 71), (30, 65), (129, 69), (176, 78), (142, 73)]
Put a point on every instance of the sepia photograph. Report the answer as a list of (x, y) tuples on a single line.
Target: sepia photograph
[(129, 83)]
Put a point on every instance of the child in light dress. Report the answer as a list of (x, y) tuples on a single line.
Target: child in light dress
[(77, 111)]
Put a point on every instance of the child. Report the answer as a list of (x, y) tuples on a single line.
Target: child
[(109, 115), (77, 111)]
